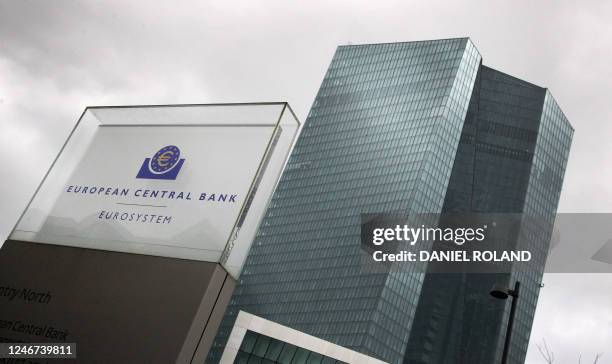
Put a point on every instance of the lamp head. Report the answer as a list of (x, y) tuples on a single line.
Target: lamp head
[(499, 291)]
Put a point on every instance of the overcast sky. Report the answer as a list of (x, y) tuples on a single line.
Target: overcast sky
[(56, 57)]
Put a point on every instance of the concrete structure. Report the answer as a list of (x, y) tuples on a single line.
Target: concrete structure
[(283, 344)]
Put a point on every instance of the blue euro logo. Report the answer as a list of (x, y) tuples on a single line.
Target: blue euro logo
[(165, 164)]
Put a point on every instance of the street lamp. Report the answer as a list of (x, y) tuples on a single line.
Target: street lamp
[(502, 293)]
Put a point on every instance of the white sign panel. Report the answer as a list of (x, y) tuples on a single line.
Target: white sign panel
[(160, 189)]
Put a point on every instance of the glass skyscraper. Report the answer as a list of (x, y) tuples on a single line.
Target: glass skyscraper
[(412, 128), (510, 159)]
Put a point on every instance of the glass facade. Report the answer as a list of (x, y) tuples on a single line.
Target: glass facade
[(257, 348), (498, 169), (388, 131)]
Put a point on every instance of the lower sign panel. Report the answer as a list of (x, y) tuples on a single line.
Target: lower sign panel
[(116, 307)]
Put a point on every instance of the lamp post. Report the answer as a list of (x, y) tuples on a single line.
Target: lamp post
[(502, 293)]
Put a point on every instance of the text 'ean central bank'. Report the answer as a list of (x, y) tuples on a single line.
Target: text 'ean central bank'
[(411, 127)]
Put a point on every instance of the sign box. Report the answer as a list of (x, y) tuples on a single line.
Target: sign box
[(153, 208)]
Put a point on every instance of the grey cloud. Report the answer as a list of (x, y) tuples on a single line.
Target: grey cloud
[(58, 56)]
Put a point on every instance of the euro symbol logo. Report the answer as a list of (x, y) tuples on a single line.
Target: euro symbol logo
[(165, 164)]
